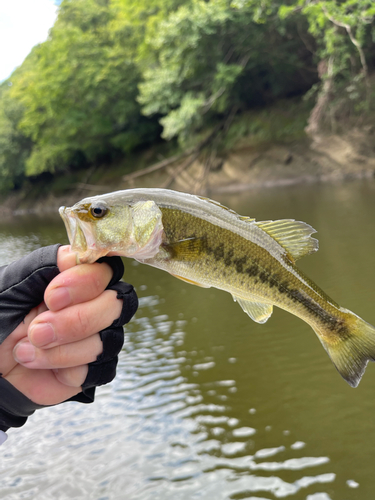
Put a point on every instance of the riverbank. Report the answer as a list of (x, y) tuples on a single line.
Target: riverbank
[(328, 158)]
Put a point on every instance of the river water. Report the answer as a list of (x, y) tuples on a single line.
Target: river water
[(208, 404)]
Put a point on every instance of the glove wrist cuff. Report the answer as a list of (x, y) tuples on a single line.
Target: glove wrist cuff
[(15, 407)]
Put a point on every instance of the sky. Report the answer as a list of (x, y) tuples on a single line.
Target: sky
[(23, 24)]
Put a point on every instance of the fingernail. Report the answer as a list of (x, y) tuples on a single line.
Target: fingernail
[(24, 352), (42, 334), (59, 298)]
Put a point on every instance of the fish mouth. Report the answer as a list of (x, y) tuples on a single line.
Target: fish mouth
[(69, 223), (76, 235)]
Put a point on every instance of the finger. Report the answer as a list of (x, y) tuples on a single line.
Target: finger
[(63, 356), (73, 377), (7, 361), (76, 285), (41, 386), (76, 322), (66, 258)]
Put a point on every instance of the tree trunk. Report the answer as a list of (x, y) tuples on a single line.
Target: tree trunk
[(325, 70)]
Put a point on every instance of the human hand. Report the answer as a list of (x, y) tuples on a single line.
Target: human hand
[(46, 356)]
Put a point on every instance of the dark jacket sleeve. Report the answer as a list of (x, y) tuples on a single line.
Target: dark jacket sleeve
[(15, 407)]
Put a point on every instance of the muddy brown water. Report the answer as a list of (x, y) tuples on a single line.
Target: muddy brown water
[(207, 404)]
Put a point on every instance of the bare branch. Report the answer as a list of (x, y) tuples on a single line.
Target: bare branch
[(352, 39), (157, 166), (174, 159), (180, 169)]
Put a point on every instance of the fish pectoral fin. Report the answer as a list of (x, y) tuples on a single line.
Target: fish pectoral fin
[(293, 236), (187, 249), (191, 282), (257, 311)]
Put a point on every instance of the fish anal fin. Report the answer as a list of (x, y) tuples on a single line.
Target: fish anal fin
[(257, 311), (293, 236), (191, 282), (187, 249)]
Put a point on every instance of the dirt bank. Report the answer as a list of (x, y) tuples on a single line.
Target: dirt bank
[(329, 158)]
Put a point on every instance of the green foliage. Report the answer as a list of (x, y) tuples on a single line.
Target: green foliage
[(344, 33), (114, 74), (281, 122), (14, 146), (183, 117), (341, 28), (80, 96), (209, 58)]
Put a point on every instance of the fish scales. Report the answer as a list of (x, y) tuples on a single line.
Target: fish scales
[(242, 267), (201, 242)]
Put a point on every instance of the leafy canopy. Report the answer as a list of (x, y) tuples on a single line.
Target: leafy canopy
[(115, 74), (209, 57)]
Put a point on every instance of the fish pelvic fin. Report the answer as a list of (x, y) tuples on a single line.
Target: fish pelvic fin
[(351, 352), (191, 282)]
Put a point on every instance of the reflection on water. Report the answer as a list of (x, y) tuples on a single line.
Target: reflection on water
[(208, 404)]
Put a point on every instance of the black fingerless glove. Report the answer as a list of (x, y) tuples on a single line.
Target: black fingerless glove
[(103, 370), (22, 287)]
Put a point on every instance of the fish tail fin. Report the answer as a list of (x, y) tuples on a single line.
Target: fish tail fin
[(353, 349)]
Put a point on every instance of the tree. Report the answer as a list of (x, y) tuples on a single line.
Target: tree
[(208, 58), (344, 31), (344, 34), (14, 146), (113, 73), (80, 95)]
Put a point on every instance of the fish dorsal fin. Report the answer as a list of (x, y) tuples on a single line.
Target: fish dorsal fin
[(246, 219), (257, 311), (217, 204), (293, 236)]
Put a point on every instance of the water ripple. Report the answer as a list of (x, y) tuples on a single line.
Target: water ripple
[(172, 437)]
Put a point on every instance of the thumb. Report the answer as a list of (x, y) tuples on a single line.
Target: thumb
[(22, 286)]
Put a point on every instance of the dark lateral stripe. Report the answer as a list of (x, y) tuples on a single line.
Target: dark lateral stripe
[(273, 280), (333, 323)]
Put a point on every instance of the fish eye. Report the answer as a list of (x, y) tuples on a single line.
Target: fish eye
[(99, 210)]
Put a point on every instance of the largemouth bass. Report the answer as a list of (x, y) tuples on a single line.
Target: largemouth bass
[(206, 244)]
